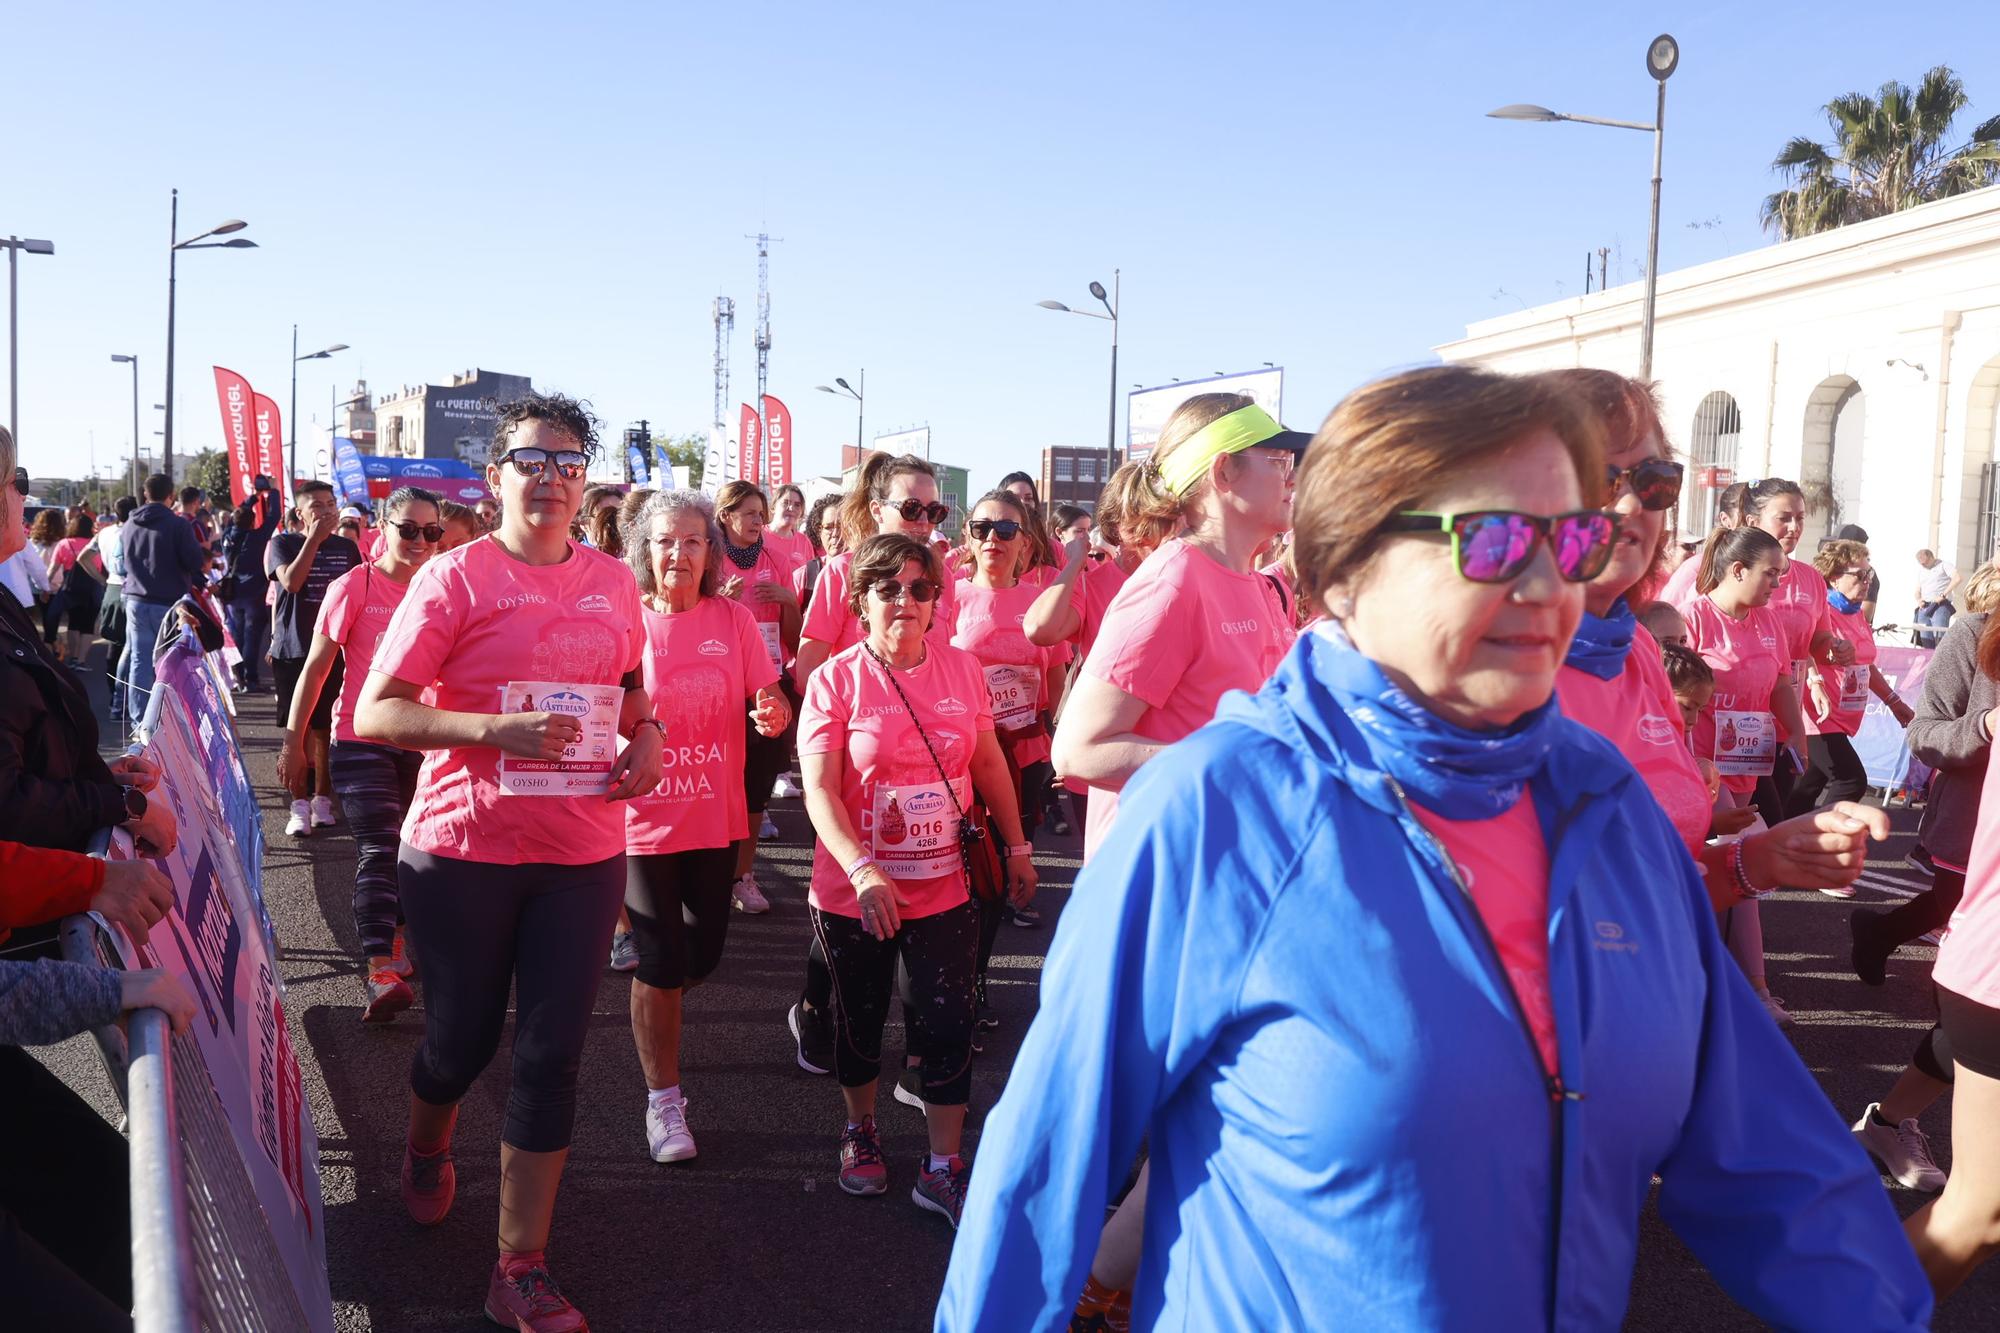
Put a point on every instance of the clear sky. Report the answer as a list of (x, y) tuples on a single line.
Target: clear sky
[(561, 190)]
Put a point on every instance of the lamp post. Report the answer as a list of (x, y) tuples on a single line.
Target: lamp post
[(292, 458), (860, 405), (15, 245), (174, 247), (1110, 304), (1663, 56), (137, 481)]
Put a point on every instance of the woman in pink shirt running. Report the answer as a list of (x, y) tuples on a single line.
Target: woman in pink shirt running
[(513, 863), (375, 782)]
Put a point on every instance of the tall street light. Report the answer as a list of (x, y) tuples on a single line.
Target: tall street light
[(138, 480), (15, 245), (324, 352), (1663, 56), (860, 406), (174, 247), (1110, 304)]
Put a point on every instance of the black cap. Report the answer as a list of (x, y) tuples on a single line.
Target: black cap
[(1852, 532)]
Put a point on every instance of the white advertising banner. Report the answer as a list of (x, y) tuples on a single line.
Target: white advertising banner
[(916, 442), (1147, 410)]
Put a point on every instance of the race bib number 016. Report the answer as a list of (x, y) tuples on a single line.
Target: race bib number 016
[(1746, 744), (916, 830), (585, 767)]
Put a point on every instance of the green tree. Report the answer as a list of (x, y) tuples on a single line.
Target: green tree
[(210, 471), (688, 451), (1889, 152)]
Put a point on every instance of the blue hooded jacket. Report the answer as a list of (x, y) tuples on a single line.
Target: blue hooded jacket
[(1269, 972)]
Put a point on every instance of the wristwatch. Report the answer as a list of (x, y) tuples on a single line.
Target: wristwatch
[(135, 804), (652, 722), (1024, 849)]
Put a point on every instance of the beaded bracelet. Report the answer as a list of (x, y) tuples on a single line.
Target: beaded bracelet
[(1743, 885)]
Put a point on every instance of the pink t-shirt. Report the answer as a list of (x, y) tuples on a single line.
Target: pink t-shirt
[(989, 627), (67, 550), (1799, 603), (356, 614), (890, 788), (475, 619), (1096, 586), (1505, 863), (1180, 634), (1968, 962), (701, 668), (832, 621), (1747, 656), (1846, 687), (1680, 584), (772, 567), (1635, 711), (794, 548)]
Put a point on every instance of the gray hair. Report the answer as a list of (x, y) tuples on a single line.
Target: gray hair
[(638, 533)]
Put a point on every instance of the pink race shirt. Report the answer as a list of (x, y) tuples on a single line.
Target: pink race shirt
[(701, 667), (1635, 711), (68, 549), (475, 619), (1505, 863), (1968, 962), (1180, 634), (1799, 603), (889, 785), (793, 549), (989, 627), (1747, 656), (774, 568), (1096, 586), (356, 614), (1680, 584), (1846, 687), (832, 621)]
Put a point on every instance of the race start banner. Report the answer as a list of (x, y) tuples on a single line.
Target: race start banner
[(271, 445), (750, 445), (777, 442), (1881, 743), (239, 405)]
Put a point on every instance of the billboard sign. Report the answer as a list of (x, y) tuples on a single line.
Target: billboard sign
[(1147, 410), (916, 442)]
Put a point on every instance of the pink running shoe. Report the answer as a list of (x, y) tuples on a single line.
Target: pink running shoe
[(429, 1184), (532, 1303), (862, 1170)]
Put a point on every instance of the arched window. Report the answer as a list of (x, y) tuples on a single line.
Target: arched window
[(1718, 425)]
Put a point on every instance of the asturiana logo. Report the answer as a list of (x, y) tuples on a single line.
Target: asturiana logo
[(596, 601), (566, 701), (1656, 730), (924, 804), (948, 707), (714, 648)]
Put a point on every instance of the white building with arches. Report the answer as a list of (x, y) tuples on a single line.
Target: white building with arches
[(1863, 362)]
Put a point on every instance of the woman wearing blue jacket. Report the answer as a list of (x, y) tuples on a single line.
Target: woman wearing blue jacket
[(1408, 980)]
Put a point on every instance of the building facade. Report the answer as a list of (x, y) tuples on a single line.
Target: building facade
[(454, 420), (356, 418), (1863, 362), (1075, 476), (954, 484)]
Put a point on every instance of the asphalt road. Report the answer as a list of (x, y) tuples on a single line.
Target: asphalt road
[(754, 1234)]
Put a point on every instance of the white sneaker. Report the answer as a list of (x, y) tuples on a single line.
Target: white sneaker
[(300, 824), (747, 896), (667, 1135), (786, 788), (768, 829), (1776, 1010), (1903, 1152), (322, 812), (1843, 891)]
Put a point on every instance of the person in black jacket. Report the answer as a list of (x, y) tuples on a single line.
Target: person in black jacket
[(163, 561), (246, 591)]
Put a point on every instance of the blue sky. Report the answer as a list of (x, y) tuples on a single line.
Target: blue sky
[(560, 191)]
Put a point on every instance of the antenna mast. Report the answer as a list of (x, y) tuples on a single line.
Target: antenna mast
[(763, 240)]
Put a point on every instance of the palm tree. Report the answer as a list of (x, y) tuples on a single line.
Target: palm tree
[(1888, 153)]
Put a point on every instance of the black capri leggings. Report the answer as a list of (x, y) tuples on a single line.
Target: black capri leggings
[(1836, 774), (679, 905), (939, 952), (544, 930)]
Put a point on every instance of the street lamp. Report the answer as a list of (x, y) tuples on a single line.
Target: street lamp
[(1111, 313), (138, 482), (860, 404), (15, 245), (324, 352), (174, 247), (1663, 56)]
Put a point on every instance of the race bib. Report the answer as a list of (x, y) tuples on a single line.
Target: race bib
[(1016, 695), (768, 632), (916, 830), (1746, 744), (585, 767), (1854, 689)]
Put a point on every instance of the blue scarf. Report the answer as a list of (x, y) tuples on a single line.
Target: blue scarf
[(1446, 769), (1839, 603), (1603, 642)]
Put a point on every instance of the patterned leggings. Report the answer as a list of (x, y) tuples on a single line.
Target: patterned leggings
[(939, 952), (376, 784)]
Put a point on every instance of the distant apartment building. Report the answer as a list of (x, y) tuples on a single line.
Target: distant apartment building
[(1074, 476), (454, 420)]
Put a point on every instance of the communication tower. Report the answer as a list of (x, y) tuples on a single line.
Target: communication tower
[(763, 321), (725, 324)]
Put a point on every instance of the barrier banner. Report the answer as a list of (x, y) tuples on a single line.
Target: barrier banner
[(186, 674), (777, 442), (348, 477), (239, 404), (749, 445), (1882, 744), (271, 445)]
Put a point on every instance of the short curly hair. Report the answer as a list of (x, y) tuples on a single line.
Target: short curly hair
[(572, 416)]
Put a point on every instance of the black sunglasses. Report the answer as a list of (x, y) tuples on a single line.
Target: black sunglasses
[(892, 590), (1006, 529), (1657, 483), (1496, 545), (912, 510), (568, 463), (408, 530), (21, 480)]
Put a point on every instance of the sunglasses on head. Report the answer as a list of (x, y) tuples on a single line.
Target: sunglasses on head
[(568, 463), (913, 510), (1657, 483), (893, 590), (1496, 545), (1006, 529), (409, 531)]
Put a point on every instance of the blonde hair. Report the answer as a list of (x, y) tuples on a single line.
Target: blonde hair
[(1982, 590), (857, 519), (1121, 519), (1833, 558), (1149, 500)]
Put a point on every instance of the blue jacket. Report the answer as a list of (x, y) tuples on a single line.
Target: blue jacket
[(163, 557), (1268, 972)]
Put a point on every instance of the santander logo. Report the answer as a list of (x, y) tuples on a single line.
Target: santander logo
[(713, 648), (948, 707), (596, 601), (1656, 730)]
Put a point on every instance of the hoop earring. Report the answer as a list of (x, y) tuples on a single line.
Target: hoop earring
[(1343, 608)]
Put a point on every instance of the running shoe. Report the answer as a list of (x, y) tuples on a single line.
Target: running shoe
[(1866, 954), (1839, 891), (1027, 918), (862, 1170), (300, 824), (910, 1087), (322, 811), (1776, 1009), (531, 1302), (668, 1137), (1058, 825), (942, 1191), (1920, 857), (624, 952), (769, 828), (812, 1030), (1902, 1151), (747, 896), (429, 1184), (388, 995), (787, 788), (401, 960)]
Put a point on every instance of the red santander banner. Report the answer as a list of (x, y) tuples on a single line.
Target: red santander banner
[(271, 445), (238, 402), (777, 442), (749, 445)]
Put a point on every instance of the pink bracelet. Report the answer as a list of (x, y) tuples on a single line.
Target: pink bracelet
[(857, 865), (1737, 871)]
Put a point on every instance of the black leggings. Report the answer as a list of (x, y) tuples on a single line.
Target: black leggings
[(1837, 774), (938, 951), (679, 905), (376, 785), (542, 928), (1926, 912)]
